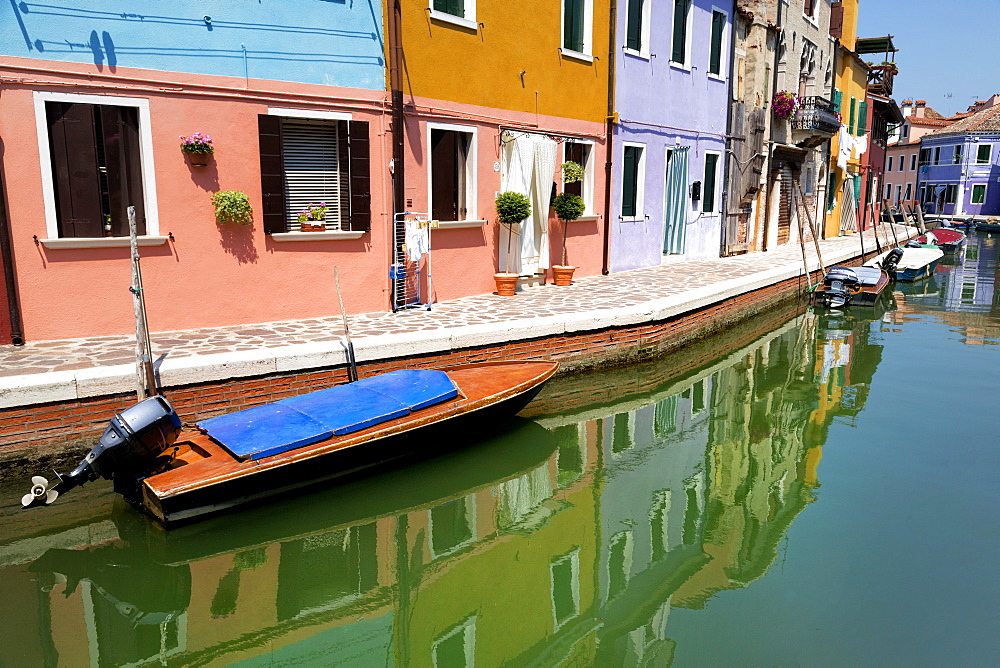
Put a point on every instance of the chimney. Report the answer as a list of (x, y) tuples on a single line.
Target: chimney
[(906, 108), (919, 108)]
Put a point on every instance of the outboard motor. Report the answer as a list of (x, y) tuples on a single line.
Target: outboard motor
[(840, 283), (127, 450), (891, 261)]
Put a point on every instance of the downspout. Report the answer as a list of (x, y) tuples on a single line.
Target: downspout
[(724, 242), (770, 157), (9, 277), (396, 89), (609, 122)]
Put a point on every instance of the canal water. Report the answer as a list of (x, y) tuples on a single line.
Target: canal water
[(804, 489)]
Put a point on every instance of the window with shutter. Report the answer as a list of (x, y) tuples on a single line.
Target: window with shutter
[(634, 27), (631, 180), (451, 173), (862, 118), (983, 154), (314, 162), (679, 51), (453, 7), (96, 168), (851, 127), (715, 47), (979, 193), (888, 164), (711, 177), (574, 21)]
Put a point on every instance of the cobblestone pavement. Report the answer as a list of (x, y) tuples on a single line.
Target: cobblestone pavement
[(590, 294)]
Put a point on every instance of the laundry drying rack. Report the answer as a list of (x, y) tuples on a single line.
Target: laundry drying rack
[(410, 271)]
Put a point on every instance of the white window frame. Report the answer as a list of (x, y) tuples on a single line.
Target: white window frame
[(467, 627), (888, 166), (574, 558), (588, 31), (811, 18), (716, 196), (40, 98), (689, 30), (644, 19), (588, 174), (956, 154), (468, 21), (640, 186), (908, 193), (888, 191), (913, 162), (972, 193), (989, 157), (723, 51), (471, 168)]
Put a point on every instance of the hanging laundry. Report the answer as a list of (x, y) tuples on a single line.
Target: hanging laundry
[(417, 239)]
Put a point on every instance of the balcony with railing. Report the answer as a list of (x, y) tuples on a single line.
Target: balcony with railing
[(817, 117), (880, 79)]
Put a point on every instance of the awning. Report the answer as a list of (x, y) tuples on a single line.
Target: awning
[(875, 45), (886, 108)]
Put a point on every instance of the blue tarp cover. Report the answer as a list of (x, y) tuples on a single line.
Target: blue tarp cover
[(271, 429)]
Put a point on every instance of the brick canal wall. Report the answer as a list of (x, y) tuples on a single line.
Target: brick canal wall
[(68, 429)]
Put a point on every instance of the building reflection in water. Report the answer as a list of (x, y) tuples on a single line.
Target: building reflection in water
[(567, 539)]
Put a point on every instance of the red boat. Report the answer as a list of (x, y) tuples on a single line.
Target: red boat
[(948, 240)]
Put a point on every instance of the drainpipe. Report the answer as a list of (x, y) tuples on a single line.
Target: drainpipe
[(9, 277), (770, 157), (609, 122), (724, 242), (396, 89)]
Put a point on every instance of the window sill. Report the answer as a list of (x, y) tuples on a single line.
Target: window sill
[(100, 242), (586, 219), (576, 55), (459, 224), (644, 55), (716, 77), (633, 219), (445, 17), (330, 235), (680, 66)]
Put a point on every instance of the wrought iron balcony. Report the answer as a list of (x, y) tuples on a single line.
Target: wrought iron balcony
[(816, 115)]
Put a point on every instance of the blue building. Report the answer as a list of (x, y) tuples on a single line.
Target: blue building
[(960, 166)]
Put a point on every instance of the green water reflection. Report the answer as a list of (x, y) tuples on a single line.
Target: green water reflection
[(668, 513)]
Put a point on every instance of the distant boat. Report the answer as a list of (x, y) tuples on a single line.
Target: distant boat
[(988, 225), (178, 474), (915, 264), (948, 240)]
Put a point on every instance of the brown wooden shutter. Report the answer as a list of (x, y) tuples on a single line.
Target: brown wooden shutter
[(360, 180), (272, 174), (837, 20), (75, 169), (120, 129)]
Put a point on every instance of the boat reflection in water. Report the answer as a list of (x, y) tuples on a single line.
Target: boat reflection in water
[(569, 539)]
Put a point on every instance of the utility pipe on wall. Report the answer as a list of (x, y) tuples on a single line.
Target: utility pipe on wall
[(609, 141), (9, 276)]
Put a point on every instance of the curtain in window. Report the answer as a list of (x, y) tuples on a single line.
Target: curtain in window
[(573, 25), (535, 230), (675, 201), (518, 156)]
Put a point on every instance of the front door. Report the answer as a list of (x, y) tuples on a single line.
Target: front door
[(675, 201), (529, 168)]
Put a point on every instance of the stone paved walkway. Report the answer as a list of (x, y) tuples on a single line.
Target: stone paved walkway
[(592, 294)]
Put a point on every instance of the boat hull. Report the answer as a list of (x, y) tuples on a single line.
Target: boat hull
[(910, 275), (187, 493)]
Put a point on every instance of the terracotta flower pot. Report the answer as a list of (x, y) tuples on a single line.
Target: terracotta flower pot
[(313, 227), (197, 159), (506, 283), (563, 274)]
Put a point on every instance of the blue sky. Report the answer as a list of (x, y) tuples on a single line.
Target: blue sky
[(947, 48)]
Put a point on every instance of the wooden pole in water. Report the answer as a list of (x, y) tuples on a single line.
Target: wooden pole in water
[(352, 364), (892, 221), (145, 379), (812, 230), (802, 241)]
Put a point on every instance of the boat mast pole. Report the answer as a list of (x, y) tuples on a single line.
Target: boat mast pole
[(352, 364), (802, 241), (812, 230), (892, 221), (145, 379)]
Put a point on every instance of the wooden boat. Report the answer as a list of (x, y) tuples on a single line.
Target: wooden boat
[(851, 286), (276, 448), (915, 264), (948, 240), (988, 225)]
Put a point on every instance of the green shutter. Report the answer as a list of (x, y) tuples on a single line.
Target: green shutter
[(983, 154), (850, 125), (857, 192), (715, 49), (633, 36), (838, 101), (680, 31), (708, 192), (573, 26), (831, 191), (453, 7), (629, 180), (863, 119)]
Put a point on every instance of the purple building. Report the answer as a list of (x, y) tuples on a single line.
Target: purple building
[(959, 166), (672, 83)]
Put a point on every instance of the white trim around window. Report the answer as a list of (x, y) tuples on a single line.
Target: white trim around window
[(644, 20), (588, 176), (309, 113), (471, 169), (467, 21), (723, 51), (688, 35), (640, 183), (586, 55), (145, 152), (717, 187)]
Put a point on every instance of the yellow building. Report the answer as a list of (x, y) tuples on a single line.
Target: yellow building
[(851, 79)]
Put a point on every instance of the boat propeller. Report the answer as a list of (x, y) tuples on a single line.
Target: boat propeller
[(40, 494)]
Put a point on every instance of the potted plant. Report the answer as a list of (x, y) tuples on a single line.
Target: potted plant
[(197, 147), (512, 208), (569, 207), (232, 206), (783, 105), (313, 217)]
